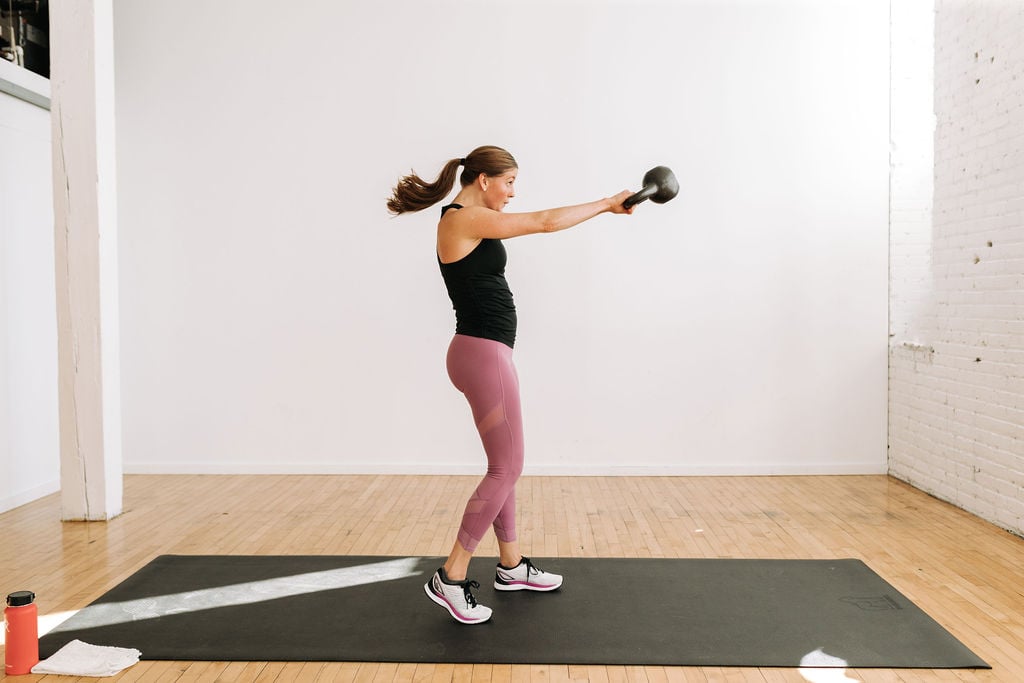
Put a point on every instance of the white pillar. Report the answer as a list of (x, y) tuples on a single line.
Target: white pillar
[(85, 223)]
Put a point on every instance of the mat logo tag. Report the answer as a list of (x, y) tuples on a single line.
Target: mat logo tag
[(872, 604)]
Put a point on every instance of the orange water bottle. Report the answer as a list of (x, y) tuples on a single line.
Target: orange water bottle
[(21, 623)]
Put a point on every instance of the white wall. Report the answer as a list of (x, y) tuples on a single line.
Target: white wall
[(275, 319), (957, 358), (29, 442)]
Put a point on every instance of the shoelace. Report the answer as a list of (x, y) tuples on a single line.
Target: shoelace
[(466, 586), (530, 567)]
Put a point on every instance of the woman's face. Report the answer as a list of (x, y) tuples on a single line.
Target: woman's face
[(500, 189)]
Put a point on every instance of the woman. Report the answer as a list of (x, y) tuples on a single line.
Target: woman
[(472, 261)]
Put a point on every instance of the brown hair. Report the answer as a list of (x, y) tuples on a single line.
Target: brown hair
[(412, 193)]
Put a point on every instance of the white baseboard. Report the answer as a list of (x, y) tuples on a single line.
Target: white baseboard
[(679, 470), (20, 498)]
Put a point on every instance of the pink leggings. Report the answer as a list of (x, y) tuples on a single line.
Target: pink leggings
[(482, 369)]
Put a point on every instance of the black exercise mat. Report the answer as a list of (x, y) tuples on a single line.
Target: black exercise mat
[(688, 612)]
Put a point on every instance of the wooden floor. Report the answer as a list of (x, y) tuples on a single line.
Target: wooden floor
[(965, 573)]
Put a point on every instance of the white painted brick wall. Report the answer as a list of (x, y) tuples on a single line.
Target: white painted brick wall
[(956, 387)]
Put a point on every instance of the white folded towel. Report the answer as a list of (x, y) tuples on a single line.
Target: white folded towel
[(81, 659)]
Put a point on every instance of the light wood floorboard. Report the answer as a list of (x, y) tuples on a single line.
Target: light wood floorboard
[(964, 572)]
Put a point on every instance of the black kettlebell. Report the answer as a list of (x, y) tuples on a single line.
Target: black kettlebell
[(660, 185)]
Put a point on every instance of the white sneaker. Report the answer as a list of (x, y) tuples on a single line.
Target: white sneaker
[(525, 577), (457, 598)]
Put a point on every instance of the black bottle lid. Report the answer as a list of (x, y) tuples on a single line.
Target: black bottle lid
[(20, 598)]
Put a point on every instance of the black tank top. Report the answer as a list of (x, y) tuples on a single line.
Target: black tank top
[(480, 295)]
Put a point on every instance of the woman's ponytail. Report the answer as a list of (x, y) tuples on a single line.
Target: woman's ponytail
[(415, 194)]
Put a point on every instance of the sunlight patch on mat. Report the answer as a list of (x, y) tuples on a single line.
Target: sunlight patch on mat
[(813, 668), (106, 614)]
